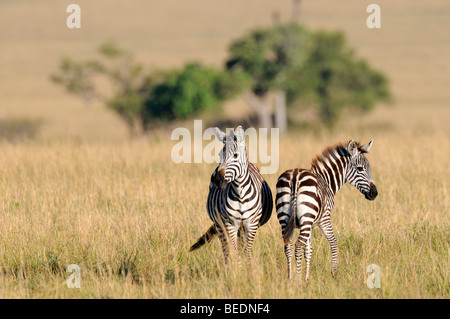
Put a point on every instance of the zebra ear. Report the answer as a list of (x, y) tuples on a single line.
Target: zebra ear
[(240, 134), (352, 148), (366, 148), (220, 135)]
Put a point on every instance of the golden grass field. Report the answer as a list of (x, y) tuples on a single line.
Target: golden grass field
[(83, 193), (127, 215)]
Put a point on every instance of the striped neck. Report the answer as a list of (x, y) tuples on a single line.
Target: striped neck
[(243, 176), (239, 185), (331, 165), (242, 170)]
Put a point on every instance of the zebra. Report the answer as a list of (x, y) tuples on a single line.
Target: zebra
[(305, 198), (239, 199)]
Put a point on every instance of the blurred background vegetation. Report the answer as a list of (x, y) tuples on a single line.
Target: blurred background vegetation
[(273, 67), (292, 65)]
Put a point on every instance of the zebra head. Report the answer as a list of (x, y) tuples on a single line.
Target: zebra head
[(358, 171), (233, 157)]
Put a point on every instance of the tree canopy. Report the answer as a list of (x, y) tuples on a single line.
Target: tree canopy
[(286, 60), (268, 55), (338, 79), (145, 99), (295, 62)]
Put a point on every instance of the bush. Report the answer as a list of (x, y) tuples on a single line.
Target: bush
[(19, 129), (143, 100)]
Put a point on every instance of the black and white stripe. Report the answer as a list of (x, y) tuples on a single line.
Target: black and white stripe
[(239, 199), (305, 198)]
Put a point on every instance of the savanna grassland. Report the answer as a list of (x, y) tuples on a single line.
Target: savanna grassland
[(126, 215), (81, 192)]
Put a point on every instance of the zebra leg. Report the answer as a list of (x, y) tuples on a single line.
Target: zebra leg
[(288, 253), (224, 242), (302, 242), (299, 247), (241, 236), (308, 255), (250, 232), (327, 230), (232, 233)]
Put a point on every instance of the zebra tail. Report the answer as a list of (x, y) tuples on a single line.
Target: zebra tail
[(291, 222), (206, 238)]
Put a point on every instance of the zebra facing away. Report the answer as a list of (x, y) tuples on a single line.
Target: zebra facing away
[(305, 198), (239, 199)]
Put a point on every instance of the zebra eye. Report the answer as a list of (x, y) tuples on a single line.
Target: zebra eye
[(360, 168), (235, 155)]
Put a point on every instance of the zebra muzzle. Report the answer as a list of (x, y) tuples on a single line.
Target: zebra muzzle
[(372, 193), (219, 180)]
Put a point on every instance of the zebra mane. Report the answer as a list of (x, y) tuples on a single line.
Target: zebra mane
[(340, 149)]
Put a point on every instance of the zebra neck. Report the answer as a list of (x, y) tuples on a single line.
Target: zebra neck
[(240, 181), (332, 167)]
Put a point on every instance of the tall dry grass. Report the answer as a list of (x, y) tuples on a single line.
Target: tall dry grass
[(126, 214)]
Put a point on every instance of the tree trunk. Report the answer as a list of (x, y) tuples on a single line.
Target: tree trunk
[(261, 106), (296, 10), (328, 112), (280, 110)]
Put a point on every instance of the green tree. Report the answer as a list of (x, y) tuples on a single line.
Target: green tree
[(293, 63), (339, 80), (268, 56), (76, 77), (183, 93), (143, 100), (118, 67)]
